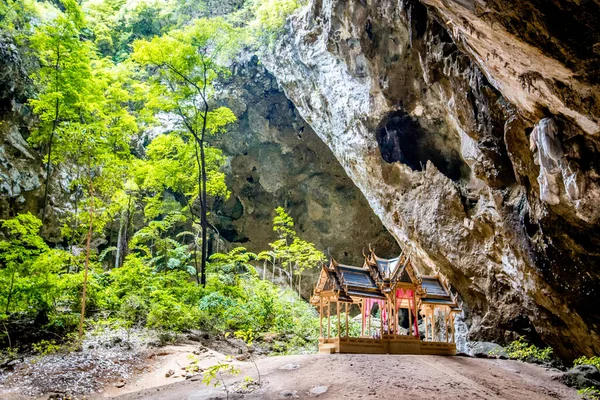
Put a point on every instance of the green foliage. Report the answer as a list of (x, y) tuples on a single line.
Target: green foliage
[(267, 18), (589, 393), (294, 254), (595, 361), (109, 69), (521, 350), (213, 374), (232, 266)]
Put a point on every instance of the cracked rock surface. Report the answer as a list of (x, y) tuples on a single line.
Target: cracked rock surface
[(471, 127)]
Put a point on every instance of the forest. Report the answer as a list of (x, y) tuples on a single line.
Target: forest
[(134, 245)]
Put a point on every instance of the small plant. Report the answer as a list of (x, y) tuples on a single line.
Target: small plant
[(595, 361), (248, 337), (521, 350), (211, 373), (45, 347), (193, 366), (248, 383), (589, 393), (8, 355)]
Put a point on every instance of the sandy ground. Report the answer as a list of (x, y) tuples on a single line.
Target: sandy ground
[(345, 376)]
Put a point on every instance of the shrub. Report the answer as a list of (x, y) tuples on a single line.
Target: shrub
[(521, 350), (595, 361), (589, 393)]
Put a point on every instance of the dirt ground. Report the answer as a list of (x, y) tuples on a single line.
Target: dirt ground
[(348, 377)]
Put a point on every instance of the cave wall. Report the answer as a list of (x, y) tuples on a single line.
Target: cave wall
[(398, 89), (274, 158)]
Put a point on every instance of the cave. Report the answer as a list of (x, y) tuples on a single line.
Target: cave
[(402, 139)]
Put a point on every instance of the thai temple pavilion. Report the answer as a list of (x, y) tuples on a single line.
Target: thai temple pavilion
[(400, 297)]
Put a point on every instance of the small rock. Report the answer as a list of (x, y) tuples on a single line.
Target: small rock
[(189, 375), (580, 376), (483, 349), (288, 394), (169, 373), (317, 390), (290, 366), (120, 383)]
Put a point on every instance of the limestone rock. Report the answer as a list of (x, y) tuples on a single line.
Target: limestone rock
[(580, 377), (430, 107)]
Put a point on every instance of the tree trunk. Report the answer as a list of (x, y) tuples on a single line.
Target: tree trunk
[(48, 163), (196, 262), (203, 220), (54, 126), (119, 238), (10, 291), (87, 253)]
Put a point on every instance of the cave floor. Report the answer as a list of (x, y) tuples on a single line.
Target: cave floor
[(362, 376)]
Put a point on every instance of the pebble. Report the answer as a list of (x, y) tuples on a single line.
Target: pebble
[(290, 366), (317, 390)]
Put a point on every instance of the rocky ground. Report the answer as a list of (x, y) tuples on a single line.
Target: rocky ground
[(132, 366), (360, 376)]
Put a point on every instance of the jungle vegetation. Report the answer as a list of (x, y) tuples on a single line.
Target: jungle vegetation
[(132, 245)]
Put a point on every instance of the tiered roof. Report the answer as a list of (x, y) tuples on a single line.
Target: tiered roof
[(437, 292), (377, 277)]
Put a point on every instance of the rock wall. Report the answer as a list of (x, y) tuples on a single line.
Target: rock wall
[(275, 158), (471, 127)]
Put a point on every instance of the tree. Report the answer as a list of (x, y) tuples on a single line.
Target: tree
[(295, 254), (97, 144), (185, 64), (62, 81), (19, 251)]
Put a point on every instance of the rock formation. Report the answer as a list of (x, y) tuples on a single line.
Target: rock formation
[(275, 158), (471, 127)]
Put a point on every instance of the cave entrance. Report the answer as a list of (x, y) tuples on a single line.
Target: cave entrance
[(402, 139)]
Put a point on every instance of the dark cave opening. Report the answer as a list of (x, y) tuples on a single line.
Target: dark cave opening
[(402, 139)]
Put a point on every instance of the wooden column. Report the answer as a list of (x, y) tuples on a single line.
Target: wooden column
[(452, 325), (446, 324), (369, 324), (321, 317), (426, 316), (347, 320), (337, 306), (328, 319), (381, 321), (395, 330), (433, 324), (414, 306), (410, 324), (363, 320)]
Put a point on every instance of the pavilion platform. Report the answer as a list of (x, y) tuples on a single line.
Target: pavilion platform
[(389, 344)]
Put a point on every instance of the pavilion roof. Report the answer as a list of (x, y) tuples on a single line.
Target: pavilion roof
[(388, 271), (436, 291)]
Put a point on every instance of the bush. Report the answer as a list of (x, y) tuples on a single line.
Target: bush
[(595, 361), (521, 350), (589, 393)]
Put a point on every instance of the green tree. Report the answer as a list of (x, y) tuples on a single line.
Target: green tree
[(185, 64), (62, 81), (296, 255), (18, 251)]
